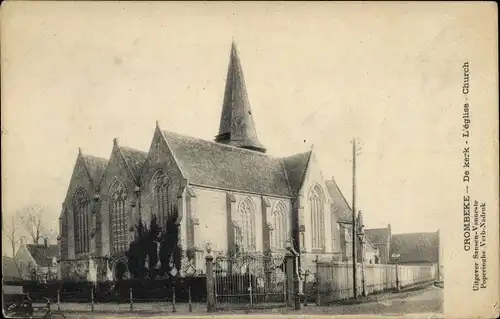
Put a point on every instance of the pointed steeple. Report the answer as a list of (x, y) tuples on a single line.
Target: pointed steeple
[(237, 127)]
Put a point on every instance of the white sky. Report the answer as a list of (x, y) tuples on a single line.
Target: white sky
[(81, 74)]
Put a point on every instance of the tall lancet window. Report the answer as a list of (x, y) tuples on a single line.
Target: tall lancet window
[(119, 221), (160, 194), (246, 212), (317, 204), (81, 208), (280, 226)]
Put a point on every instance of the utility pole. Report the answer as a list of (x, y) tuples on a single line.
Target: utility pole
[(354, 235)]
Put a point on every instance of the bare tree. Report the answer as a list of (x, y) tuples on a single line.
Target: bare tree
[(11, 232), (31, 217)]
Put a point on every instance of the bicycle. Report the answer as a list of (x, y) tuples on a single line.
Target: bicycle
[(24, 309)]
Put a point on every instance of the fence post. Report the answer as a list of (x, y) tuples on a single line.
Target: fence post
[(92, 299), (189, 299), (318, 301), (289, 278), (398, 288), (304, 288), (58, 301), (209, 262), (250, 288), (131, 300), (173, 295), (296, 283)]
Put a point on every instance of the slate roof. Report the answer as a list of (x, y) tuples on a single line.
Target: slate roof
[(378, 236), (416, 247), (237, 126), (95, 166), (295, 167), (43, 254), (9, 269), (135, 159), (341, 208), (222, 166)]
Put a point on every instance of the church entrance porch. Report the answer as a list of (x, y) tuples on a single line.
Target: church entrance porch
[(119, 268)]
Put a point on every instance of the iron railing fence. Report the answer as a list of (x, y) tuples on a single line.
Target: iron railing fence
[(250, 280)]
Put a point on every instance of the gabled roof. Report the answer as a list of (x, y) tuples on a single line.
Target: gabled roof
[(237, 127), (295, 167), (96, 167), (378, 236), (341, 208), (416, 247), (43, 254), (135, 159), (218, 165), (369, 245), (9, 269)]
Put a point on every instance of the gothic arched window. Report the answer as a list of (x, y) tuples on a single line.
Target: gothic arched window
[(81, 207), (160, 197), (280, 226), (118, 214), (246, 212), (317, 204)]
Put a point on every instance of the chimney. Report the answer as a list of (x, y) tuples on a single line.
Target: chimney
[(45, 242), (23, 240), (116, 141)]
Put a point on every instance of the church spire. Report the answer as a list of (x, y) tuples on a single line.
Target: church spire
[(237, 127)]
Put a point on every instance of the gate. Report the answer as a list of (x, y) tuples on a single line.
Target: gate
[(250, 280)]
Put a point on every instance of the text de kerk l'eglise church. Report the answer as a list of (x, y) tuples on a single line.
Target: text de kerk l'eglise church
[(227, 192)]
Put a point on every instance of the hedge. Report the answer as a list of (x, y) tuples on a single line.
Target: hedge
[(151, 290)]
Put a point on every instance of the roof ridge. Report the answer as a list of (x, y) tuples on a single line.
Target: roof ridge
[(416, 233), (222, 145), (377, 228), (295, 154), (132, 149), (90, 155)]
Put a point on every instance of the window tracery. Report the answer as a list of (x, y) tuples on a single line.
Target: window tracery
[(81, 208), (160, 197), (119, 222), (246, 212), (280, 226), (317, 204)]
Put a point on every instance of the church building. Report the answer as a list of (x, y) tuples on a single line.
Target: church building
[(227, 192)]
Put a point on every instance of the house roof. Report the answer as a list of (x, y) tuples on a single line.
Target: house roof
[(9, 269), (222, 166), (95, 166), (135, 159), (295, 167), (416, 247), (341, 208), (378, 236), (43, 254)]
